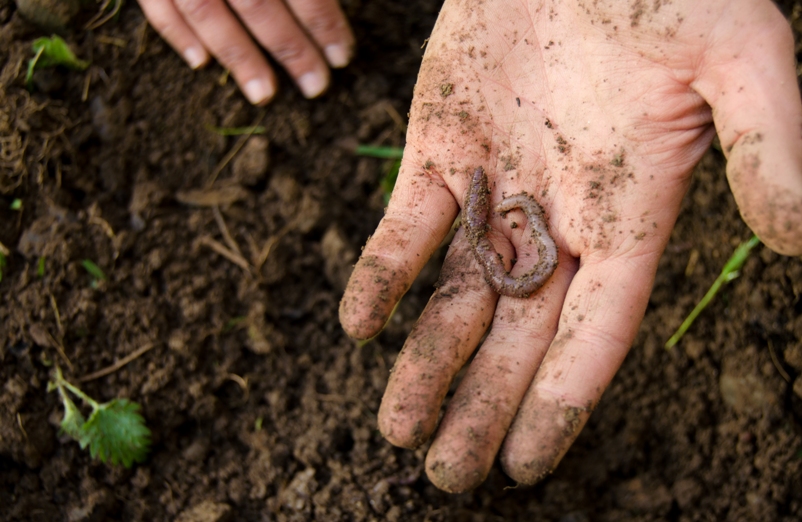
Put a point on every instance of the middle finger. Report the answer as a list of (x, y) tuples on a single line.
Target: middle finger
[(487, 399), (277, 30)]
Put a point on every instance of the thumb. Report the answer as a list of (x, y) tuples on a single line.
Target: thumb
[(749, 79)]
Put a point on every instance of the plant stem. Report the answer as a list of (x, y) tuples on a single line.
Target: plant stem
[(728, 273), (62, 382)]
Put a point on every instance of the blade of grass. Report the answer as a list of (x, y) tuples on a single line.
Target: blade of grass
[(728, 273), (389, 179), (379, 152), (93, 269), (237, 131)]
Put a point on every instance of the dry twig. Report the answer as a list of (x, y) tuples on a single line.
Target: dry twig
[(119, 364)]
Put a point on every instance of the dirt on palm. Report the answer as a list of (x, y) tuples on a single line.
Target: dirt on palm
[(228, 255)]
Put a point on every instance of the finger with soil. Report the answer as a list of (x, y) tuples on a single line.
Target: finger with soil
[(603, 308), (448, 331), (486, 400), (758, 114), (419, 216)]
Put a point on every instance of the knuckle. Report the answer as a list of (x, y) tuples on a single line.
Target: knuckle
[(289, 52), (245, 7), (323, 22), (233, 56), (195, 9)]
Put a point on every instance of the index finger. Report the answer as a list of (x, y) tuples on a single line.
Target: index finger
[(420, 214)]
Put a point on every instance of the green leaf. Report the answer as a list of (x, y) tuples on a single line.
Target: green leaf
[(116, 433), (51, 52), (93, 269)]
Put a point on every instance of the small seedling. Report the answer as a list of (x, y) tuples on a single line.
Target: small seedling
[(394, 154), (233, 323), (16, 204), (40, 267), (379, 152), (237, 131), (115, 431), (50, 52), (93, 270), (728, 273)]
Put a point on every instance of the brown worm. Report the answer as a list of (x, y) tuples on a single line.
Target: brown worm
[(476, 208)]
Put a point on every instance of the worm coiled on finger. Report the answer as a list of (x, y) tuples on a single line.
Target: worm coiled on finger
[(476, 208)]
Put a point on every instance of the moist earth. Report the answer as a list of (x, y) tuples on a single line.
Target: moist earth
[(228, 256)]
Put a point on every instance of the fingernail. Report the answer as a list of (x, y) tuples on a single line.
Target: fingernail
[(195, 57), (338, 55), (312, 84), (258, 90)]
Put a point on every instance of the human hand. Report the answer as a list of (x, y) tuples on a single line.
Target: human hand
[(599, 110), (297, 33)]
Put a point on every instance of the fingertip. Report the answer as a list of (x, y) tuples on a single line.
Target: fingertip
[(258, 91), (313, 83), (370, 296), (338, 55), (539, 437), (351, 308), (401, 434), (458, 474), (195, 57)]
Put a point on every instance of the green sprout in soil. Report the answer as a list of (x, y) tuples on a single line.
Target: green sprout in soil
[(237, 131), (233, 323), (94, 270), (379, 152), (115, 431), (728, 273), (50, 52), (40, 267), (16, 204), (391, 170)]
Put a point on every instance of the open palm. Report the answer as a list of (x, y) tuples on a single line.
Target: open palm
[(599, 110)]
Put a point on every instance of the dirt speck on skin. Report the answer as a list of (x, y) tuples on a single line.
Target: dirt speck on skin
[(101, 180)]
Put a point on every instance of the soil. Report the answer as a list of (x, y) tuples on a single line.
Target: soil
[(260, 406)]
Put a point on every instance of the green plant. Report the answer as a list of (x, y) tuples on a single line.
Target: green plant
[(3, 263), (94, 271), (728, 273), (50, 52), (16, 204), (115, 431), (237, 131), (392, 167)]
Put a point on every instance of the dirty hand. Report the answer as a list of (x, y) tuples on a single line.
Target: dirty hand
[(599, 110), (302, 35)]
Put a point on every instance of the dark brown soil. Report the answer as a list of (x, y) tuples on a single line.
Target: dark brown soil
[(261, 408)]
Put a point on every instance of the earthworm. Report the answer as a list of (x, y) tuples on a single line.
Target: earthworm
[(477, 205)]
